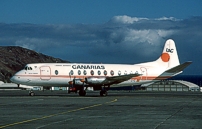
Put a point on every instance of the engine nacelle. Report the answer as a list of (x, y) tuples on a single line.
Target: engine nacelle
[(78, 82), (94, 81)]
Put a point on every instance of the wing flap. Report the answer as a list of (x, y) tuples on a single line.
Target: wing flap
[(119, 79)]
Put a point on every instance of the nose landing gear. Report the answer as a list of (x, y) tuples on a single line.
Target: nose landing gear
[(31, 93)]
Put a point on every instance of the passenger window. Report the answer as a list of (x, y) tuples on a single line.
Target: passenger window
[(119, 73), (105, 72), (99, 72), (92, 72), (71, 72), (84, 72), (79, 72), (56, 72), (112, 72)]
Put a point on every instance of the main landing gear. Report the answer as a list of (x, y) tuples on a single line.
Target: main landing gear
[(104, 90), (82, 93), (103, 93)]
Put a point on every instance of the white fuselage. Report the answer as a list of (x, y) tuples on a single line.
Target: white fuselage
[(60, 74)]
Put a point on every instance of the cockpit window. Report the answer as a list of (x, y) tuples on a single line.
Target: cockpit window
[(28, 68)]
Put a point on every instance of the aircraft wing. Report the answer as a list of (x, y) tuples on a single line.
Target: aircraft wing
[(119, 79)]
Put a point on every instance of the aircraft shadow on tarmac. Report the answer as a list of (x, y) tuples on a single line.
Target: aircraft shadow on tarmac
[(11, 93)]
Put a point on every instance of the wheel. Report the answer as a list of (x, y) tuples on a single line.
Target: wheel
[(82, 92), (31, 93), (103, 93)]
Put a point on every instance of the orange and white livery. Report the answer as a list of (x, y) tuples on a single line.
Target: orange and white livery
[(101, 76)]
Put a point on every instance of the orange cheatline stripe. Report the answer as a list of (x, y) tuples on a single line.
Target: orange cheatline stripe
[(67, 76)]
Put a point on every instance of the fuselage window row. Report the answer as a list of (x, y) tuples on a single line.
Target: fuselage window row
[(98, 72)]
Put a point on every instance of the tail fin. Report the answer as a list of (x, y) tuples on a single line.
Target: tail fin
[(169, 57)]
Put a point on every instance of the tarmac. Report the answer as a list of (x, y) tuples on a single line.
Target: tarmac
[(119, 110)]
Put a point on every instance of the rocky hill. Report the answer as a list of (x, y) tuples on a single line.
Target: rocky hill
[(13, 59)]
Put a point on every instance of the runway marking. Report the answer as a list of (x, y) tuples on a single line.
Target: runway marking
[(57, 114), (42, 126)]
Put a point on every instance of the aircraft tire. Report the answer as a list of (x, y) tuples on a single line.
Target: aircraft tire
[(31, 94), (82, 93), (103, 93)]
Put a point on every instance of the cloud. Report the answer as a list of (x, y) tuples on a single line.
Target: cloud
[(168, 18), (123, 39), (126, 19)]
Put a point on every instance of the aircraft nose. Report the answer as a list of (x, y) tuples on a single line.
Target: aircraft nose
[(14, 79)]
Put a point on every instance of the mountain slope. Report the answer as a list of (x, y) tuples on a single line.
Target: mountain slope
[(13, 59)]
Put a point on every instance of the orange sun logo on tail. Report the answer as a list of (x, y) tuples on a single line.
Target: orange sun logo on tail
[(165, 57)]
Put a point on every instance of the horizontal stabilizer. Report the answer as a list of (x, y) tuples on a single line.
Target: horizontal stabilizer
[(173, 71), (178, 68)]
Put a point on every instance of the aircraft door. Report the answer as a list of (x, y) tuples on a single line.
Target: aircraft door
[(45, 72), (144, 73)]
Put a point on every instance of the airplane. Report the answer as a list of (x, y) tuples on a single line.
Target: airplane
[(101, 77)]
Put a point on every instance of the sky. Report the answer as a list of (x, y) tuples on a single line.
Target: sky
[(104, 31)]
